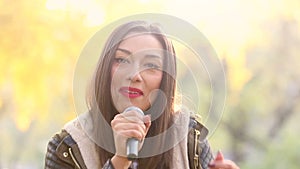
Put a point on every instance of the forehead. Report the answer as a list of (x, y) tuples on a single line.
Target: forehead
[(140, 42)]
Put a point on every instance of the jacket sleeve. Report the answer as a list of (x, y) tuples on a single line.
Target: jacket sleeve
[(63, 153), (206, 155), (52, 160)]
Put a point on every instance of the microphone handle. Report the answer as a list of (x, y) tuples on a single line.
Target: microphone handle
[(132, 148), (132, 144)]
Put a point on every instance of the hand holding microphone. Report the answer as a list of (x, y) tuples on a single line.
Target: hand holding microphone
[(130, 128)]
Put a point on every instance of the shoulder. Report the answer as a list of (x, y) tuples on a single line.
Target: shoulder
[(192, 120), (199, 150), (63, 152), (81, 131), (71, 147), (195, 125)]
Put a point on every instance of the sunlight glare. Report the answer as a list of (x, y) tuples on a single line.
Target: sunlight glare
[(56, 4), (93, 10), (95, 16)]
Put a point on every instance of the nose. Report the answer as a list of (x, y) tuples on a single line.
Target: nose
[(135, 76), (134, 73)]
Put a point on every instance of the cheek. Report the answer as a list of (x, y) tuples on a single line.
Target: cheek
[(113, 70), (114, 86), (154, 87), (154, 81), (114, 77), (115, 74), (158, 82)]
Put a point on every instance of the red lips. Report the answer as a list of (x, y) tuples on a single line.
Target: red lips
[(131, 92)]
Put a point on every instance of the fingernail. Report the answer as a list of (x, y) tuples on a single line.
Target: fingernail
[(147, 118)]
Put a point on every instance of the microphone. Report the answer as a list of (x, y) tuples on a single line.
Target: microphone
[(132, 144)]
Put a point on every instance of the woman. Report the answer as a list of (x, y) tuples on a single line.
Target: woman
[(137, 68)]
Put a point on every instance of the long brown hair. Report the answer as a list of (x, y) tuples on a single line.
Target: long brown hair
[(99, 99)]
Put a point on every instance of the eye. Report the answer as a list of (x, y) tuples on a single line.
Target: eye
[(121, 60), (152, 66)]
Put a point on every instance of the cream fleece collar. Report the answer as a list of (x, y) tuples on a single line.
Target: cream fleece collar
[(88, 148)]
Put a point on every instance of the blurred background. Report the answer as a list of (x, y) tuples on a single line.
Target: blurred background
[(257, 41)]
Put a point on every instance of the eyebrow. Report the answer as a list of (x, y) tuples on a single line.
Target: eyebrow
[(147, 55), (153, 56), (125, 51)]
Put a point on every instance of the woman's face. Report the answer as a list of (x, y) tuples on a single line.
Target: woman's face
[(136, 72)]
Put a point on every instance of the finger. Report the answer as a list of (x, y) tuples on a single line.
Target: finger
[(133, 113), (225, 164), (131, 134), (126, 119), (147, 121), (219, 156), (130, 126), (133, 119)]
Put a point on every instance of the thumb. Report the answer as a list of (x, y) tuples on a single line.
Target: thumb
[(147, 121), (219, 156)]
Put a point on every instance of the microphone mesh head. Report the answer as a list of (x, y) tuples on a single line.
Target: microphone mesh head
[(134, 108)]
